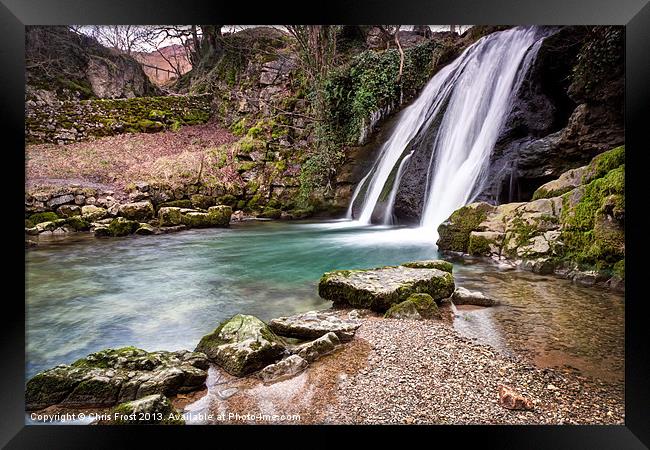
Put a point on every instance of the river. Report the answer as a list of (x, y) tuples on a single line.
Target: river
[(164, 292)]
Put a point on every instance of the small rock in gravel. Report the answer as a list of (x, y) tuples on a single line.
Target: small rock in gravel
[(510, 399)]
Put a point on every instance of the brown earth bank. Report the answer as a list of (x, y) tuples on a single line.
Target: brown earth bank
[(408, 372), (118, 160)]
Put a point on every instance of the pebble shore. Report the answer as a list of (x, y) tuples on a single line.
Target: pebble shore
[(412, 372)]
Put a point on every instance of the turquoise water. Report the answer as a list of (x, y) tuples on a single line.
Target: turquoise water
[(165, 292)]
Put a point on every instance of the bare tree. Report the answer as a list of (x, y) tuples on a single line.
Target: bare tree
[(392, 32), (125, 38), (317, 47)]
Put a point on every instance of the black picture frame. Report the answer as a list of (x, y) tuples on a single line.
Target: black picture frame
[(634, 14)]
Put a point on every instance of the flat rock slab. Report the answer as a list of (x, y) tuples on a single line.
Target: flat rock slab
[(379, 289), (314, 324)]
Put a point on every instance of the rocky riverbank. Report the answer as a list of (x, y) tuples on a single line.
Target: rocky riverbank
[(574, 226), (334, 366), (442, 379)]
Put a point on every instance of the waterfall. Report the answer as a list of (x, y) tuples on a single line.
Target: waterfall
[(468, 101), (388, 215)]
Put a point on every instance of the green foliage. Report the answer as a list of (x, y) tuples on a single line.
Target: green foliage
[(600, 59), (371, 82)]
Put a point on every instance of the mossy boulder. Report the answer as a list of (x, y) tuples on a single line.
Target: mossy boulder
[(379, 289), (454, 233), (112, 376), (220, 215), (122, 227), (404, 310), (145, 230), (201, 201), (241, 345), (37, 218), (93, 213), (592, 221), (439, 264), (169, 216), (140, 211), (196, 220), (77, 223), (425, 305), (153, 409)]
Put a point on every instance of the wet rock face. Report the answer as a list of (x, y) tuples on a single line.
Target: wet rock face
[(313, 325), (555, 124), (242, 345), (379, 289), (113, 376)]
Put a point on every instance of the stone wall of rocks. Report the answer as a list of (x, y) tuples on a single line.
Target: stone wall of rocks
[(61, 122)]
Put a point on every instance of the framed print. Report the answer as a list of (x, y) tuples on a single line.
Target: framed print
[(314, 219)]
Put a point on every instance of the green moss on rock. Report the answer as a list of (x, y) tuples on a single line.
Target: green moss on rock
[(454, 233), (43, 217), (439, 264), (425, 305), (242, 345), (122, 227), (270, 213), (77, 223)]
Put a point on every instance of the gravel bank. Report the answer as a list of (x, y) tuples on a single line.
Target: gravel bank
[(411, 372)]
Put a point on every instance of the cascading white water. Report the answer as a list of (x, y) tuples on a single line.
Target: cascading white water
[(471, 124), (388, 214), (470, 98)]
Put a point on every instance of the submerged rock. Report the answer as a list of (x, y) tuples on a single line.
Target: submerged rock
[(379, 289), (242, 345), (462, 296), (150, 410), (314, 324), (287, 368), (113, 376), (311, 351)]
